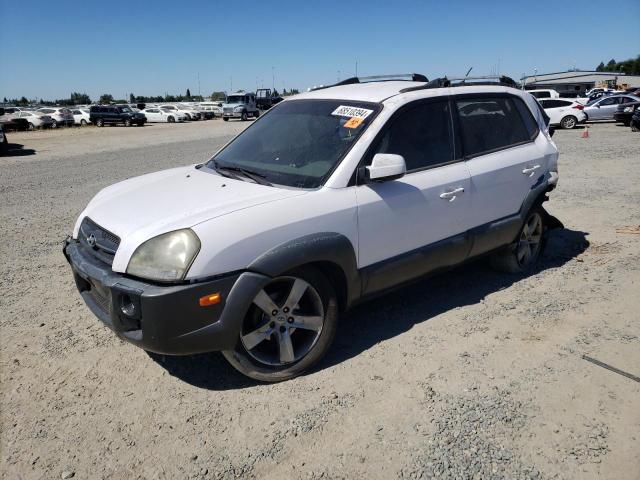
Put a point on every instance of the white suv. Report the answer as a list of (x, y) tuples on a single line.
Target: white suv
[(331, 197)]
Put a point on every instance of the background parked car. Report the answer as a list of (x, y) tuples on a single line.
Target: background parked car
[(179, 114), (635, 121), (59, 115), (566, 113), (605, 108), (10, 118), (81, 117), (212, 109), (4, 143), (36, 119), (625, 111), (102, 115), (187, 113), (544, 93), (158, 115)]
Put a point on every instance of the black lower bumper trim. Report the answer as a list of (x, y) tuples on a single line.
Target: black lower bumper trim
[(164, 319)]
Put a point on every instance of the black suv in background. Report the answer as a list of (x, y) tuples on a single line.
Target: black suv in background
[(115, 114)]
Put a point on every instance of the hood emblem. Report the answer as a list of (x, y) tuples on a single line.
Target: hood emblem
[(91, 240)]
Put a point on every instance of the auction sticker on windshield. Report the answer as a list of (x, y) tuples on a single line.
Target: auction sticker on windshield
[(347, 111)]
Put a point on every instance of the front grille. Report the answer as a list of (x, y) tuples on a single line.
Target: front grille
[(101, 243), (228, 110)]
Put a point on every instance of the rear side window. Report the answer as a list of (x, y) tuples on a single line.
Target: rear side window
[(490, 124), (423, 135)]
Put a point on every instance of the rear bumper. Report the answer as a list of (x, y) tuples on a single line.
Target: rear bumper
[(164, 319)]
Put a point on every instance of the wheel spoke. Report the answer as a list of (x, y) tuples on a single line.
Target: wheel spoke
[(525, 230), (308, 322), (527, 254), (264, 302), (535, 239), (250, 340), (521, 252), (297, 290), (286, 347)]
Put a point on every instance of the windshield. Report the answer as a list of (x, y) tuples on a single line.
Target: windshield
[(235, 99), (125, 109), (299, 142)]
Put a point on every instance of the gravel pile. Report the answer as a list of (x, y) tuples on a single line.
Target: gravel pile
[(473, 432)]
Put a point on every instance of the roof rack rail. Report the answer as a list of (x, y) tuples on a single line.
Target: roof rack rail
[(444, 82), (411, 77)]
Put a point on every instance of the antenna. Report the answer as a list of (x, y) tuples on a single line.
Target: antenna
[(468, 72)]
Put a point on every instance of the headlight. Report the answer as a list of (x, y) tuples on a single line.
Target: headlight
[(166, 257), (628, 109), (238, 109)]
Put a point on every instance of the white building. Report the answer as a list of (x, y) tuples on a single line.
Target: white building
[(579, 81)]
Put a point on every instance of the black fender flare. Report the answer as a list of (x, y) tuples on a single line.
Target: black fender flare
[(322, 247)]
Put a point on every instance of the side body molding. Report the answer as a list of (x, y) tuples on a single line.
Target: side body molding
[(325, 247)]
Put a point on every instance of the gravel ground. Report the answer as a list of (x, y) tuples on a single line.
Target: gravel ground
[(469, 375)]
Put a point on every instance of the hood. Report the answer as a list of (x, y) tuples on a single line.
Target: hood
[(142, 207)]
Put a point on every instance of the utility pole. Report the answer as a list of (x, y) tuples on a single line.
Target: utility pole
[(231, 80), (273, 78), (356, 68), (198, 83)]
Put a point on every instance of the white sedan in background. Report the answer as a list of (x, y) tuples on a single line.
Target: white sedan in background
[(564, 112), (160, 115), (177, 110), (80, 117), (36, 119)]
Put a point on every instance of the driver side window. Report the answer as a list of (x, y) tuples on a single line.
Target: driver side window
[(422, 134)]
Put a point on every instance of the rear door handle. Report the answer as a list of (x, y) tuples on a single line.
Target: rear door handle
[(530, 170), (451, 195)]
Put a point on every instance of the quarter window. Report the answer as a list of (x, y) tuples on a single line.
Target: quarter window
[(423, 135), (491, 123)]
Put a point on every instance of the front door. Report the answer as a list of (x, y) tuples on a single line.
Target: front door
[(605, 109), (412, 225)]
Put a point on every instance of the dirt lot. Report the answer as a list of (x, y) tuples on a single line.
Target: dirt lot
[(467, 375)]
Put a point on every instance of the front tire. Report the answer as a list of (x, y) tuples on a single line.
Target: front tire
[(288, 328), (634, 127), (171, 119), (31, 127), (569, 122), (54, 124), (83, 122), (522, 256), (127, 123), (226, 119), (100, 123), (256, 114), (244, 117)]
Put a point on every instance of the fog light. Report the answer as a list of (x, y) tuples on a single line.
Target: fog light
[(127, 307), (211, 299)]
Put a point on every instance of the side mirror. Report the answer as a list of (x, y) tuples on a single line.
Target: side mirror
[(386, 166)]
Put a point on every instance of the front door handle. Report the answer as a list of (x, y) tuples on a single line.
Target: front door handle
[(451, 195), (530, 170)]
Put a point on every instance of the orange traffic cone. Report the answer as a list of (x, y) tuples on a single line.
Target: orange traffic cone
[(585, 134)]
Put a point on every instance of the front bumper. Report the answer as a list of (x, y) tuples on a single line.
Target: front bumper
[(623, 117), (164, 319), (232, 114)]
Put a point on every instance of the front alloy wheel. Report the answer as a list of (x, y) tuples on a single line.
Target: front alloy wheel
[(288, 327)]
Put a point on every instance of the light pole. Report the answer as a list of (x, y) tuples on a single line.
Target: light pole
[(273, 78)]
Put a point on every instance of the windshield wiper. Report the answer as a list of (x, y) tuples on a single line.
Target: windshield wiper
[(255, 176)]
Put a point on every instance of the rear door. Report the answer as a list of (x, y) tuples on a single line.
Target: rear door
[(499, 136), (399, 220)]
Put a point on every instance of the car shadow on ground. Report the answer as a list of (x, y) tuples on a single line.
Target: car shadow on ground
[(18, 150), (390, 315)]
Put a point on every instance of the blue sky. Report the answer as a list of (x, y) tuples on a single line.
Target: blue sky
[(51, 48)]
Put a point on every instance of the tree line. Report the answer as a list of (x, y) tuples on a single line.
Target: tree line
[(630, 67), (77, 98)]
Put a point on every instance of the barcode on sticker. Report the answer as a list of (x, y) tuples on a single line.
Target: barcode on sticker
[(347, 111)]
